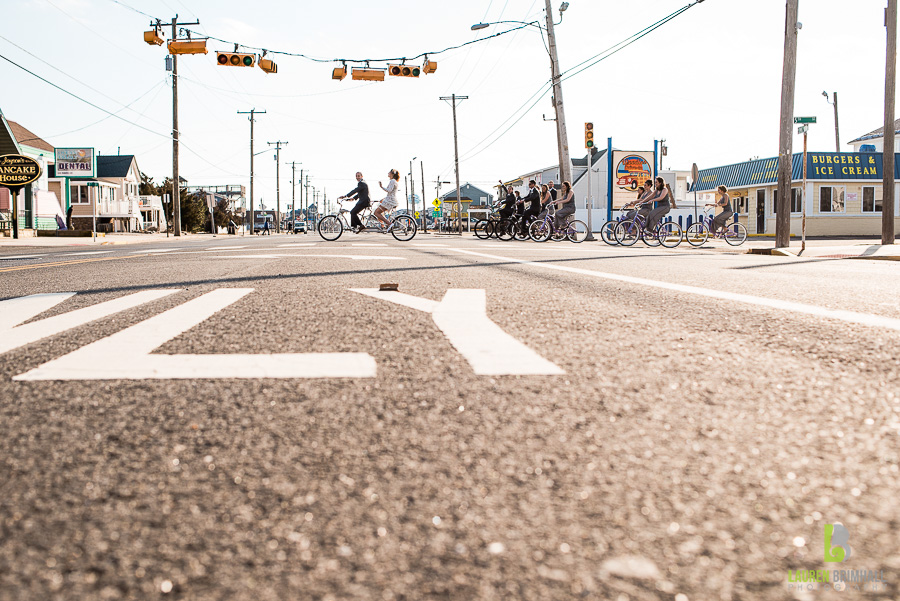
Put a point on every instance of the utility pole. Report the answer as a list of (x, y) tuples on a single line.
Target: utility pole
[(837, 135), (412, 187), (251, 112), (890, 81), (453, 98), (785, 150), (176, 192), (277, 146), (424, 206), (562, 139), (293, 165), (306, 185)]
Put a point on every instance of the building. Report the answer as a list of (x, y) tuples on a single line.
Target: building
[(113, 197), (843, 192), (469, 196), (874, 140)]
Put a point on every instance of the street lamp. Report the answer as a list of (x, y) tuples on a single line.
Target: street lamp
[(562, 140), (837, 137)]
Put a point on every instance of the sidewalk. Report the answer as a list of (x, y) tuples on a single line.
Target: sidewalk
[(103, 240), (833, 249)]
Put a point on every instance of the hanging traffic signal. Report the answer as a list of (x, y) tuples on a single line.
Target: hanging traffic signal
[(187, 47), (339, 73), (235, 59), (588, 135), (153, 38), (403, 70), (429, 66), (367, 74), (268, 65)]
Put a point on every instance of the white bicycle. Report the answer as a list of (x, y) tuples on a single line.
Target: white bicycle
[(401, 227)]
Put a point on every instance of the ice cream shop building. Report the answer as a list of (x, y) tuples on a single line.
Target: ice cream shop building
[(843, 192)]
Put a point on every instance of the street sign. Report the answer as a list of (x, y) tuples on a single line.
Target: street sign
[(436, 202), (804, 119), (695, 173), (417, 214), (17, 171), (803, 129)]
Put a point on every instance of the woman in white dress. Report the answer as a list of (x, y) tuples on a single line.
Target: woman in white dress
[(390, 201)]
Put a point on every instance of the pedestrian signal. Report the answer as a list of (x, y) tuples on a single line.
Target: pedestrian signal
[(235, 59), (588, 135), (187, 46), (403, 70), (268, 65)]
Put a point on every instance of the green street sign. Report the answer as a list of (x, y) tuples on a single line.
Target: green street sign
[(804, 119)]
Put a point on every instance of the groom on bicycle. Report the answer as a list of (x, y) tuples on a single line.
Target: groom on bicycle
[(361, 193)]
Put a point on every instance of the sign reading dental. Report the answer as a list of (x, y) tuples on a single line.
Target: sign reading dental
[(17, 171), (631, 170), (75, 162)]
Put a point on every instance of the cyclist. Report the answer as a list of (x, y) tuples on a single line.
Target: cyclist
[(724, 201), (663, 196), (565, 205), (390, 201), (534, 206), (640, 205), (508, 205), (361, 193)]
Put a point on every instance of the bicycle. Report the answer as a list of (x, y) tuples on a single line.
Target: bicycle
[(401, 227), (608, 229), (492, 226), (542, 230), (667, 233), (698, 233)]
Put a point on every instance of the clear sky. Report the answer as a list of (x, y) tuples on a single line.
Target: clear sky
[(709, 82)]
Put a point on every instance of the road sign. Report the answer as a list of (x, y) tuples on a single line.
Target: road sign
[(417, 214), (695, 173), (436, 202), (803, 129), (804, 119)]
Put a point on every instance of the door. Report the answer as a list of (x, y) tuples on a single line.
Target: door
[(760, 211), (29, 207)]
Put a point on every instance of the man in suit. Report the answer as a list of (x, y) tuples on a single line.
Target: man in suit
[(534, 207), (361, 193)]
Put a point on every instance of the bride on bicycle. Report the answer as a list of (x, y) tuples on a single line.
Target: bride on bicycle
[(389, 202)]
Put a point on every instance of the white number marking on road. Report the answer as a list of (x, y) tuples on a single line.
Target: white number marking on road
[(126, 355), (876, 321), (462, 317), (18, 310)]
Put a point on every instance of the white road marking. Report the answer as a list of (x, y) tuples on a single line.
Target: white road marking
[(18, 310), (297, 244), (462, 317), (8, 257), (374, 244), (92, 252), (154, 250), (126, 354), (876, 321), (225, 247), (428, 245), (280, 255)]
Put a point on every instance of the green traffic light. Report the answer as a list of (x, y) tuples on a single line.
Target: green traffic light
[(416, 72), (248, 60)]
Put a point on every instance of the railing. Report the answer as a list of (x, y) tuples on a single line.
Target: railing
[(129, 206)]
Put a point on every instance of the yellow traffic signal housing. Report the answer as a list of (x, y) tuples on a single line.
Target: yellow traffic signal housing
[(153, 37), (588, 135), (235, 59), (268, 65), (339, 73), (403, 70), (187, 47), (429, 67), (367, 74)]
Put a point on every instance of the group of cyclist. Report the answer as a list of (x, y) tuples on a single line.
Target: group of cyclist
[(654, 202), (536, 202)]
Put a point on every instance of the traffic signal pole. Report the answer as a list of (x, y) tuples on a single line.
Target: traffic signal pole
[(176, 192), (251, 112)]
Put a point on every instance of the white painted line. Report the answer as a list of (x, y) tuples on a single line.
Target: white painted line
[(92, 252), (280, 255), (10, 257), (126, 354), (374, 244), (225, 247), (462, 317), (297, 244), (426, 245), (154, 250), (876, 321), (18, 310)]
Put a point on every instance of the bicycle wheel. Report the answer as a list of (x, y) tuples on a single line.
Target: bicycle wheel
[(539, 231), (608, 233), (649, 237), (483, 229), (403, 228), (735, 234), (669, 234), (330, 228), (696, 234), (503, 229), (521, 233), (577, 231), (627, 233)]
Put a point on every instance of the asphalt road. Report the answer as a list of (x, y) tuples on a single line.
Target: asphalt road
[(709, 413)]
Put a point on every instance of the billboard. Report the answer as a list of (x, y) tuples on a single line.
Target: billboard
[(75, 162), (630, 170)]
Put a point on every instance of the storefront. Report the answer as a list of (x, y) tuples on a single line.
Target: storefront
[(843, 193)]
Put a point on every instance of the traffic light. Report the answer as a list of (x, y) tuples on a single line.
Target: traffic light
[(235, 59), (367, 74), (588, 135), (268, 65), (339, 73), (429, 66), (153, 38), (187, 47), (403, 70)]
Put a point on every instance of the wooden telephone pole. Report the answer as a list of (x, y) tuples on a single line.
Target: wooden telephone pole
[(785, 149), (890, 79)]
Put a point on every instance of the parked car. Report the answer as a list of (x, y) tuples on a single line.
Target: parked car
[(300, 226)]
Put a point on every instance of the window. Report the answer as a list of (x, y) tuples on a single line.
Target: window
[(831, 199), (740, 204), (79, 194), (796, 199), (870, 204)]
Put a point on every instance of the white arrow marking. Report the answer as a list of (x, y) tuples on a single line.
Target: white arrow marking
[(126, 354), (18, 310), (462, 317)]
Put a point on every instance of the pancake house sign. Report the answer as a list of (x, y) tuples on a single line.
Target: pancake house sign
[(17, 171)]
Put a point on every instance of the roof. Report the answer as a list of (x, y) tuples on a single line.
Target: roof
[(114, 165), (877, 133), (840, 166), (8, 144), (26, 137), (468, 191), (582, 162)]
